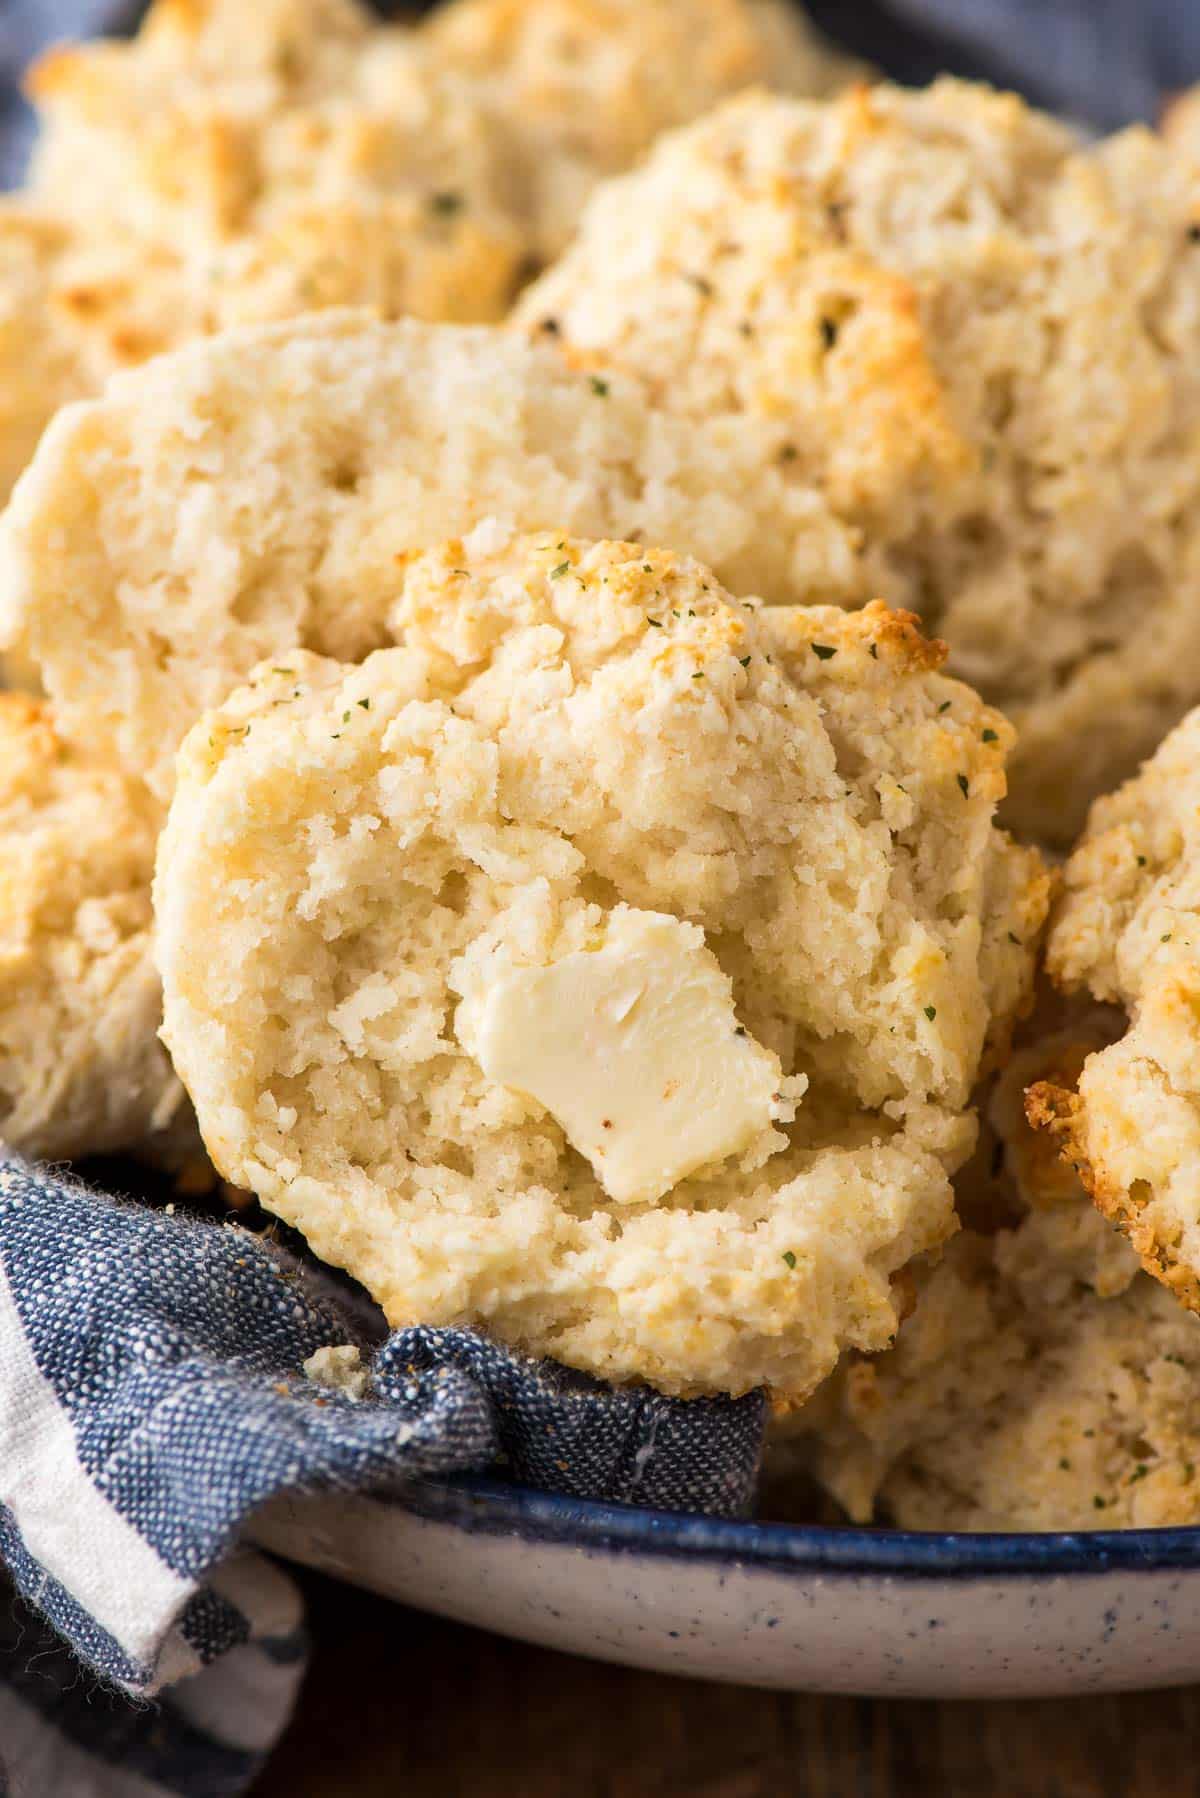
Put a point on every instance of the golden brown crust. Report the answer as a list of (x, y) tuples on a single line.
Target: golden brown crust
[(1127, 928), (922, 368), (897, 633), (1061, 1114)]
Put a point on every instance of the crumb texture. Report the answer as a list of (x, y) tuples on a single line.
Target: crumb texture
[(1019, 1398), (1127, 929), (81, 1068), (585, 88), (236, 163), (565, 731), (251, 494), (1041, 1382), (967, 340)]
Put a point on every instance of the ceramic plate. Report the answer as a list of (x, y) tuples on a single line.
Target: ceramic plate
[(872, 1612)]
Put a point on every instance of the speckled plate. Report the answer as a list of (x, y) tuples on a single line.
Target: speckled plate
[(874, 1612)]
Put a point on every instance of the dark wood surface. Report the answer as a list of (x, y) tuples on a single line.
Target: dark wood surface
[(399, 1705)]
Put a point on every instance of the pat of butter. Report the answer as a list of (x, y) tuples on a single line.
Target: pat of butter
[(635, 1049)]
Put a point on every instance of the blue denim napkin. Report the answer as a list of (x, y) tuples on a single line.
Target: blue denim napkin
[(152, 1397)]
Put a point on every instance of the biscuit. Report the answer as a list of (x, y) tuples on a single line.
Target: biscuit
[(70, 314), (291, 156), (240, 164), (37, 368), (1127, 929), (584, 89), (298, 154), (250, 494), (574, 746), (81, 1068), (1017, 1398), (1017, 1169), (1180, 123), (968, 340)]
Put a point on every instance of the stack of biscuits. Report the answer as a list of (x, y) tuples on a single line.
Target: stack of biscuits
[(479, 761)]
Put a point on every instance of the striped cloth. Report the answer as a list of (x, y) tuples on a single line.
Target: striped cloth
[(152, 1398)]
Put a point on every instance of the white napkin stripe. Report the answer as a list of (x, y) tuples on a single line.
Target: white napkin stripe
[(65, 1522)]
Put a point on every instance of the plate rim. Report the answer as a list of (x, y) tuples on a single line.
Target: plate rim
[(484, 1505)]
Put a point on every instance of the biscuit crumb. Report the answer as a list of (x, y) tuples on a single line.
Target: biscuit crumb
[(339, 1366)]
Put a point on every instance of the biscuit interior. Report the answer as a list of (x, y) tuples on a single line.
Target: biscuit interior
[(568, 734)]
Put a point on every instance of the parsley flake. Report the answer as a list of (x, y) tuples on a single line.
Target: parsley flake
[(931, 1012), (557, 573), (823, 651), (598, 387), (963, 784), (989, 736), (744, 660), (364, 704), (944, 707), (789, 1257), (446, 204)]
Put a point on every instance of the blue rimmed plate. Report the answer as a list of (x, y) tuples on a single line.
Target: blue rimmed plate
[(873, 1612)]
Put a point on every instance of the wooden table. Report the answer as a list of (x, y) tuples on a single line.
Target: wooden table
[(399, 1705)]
